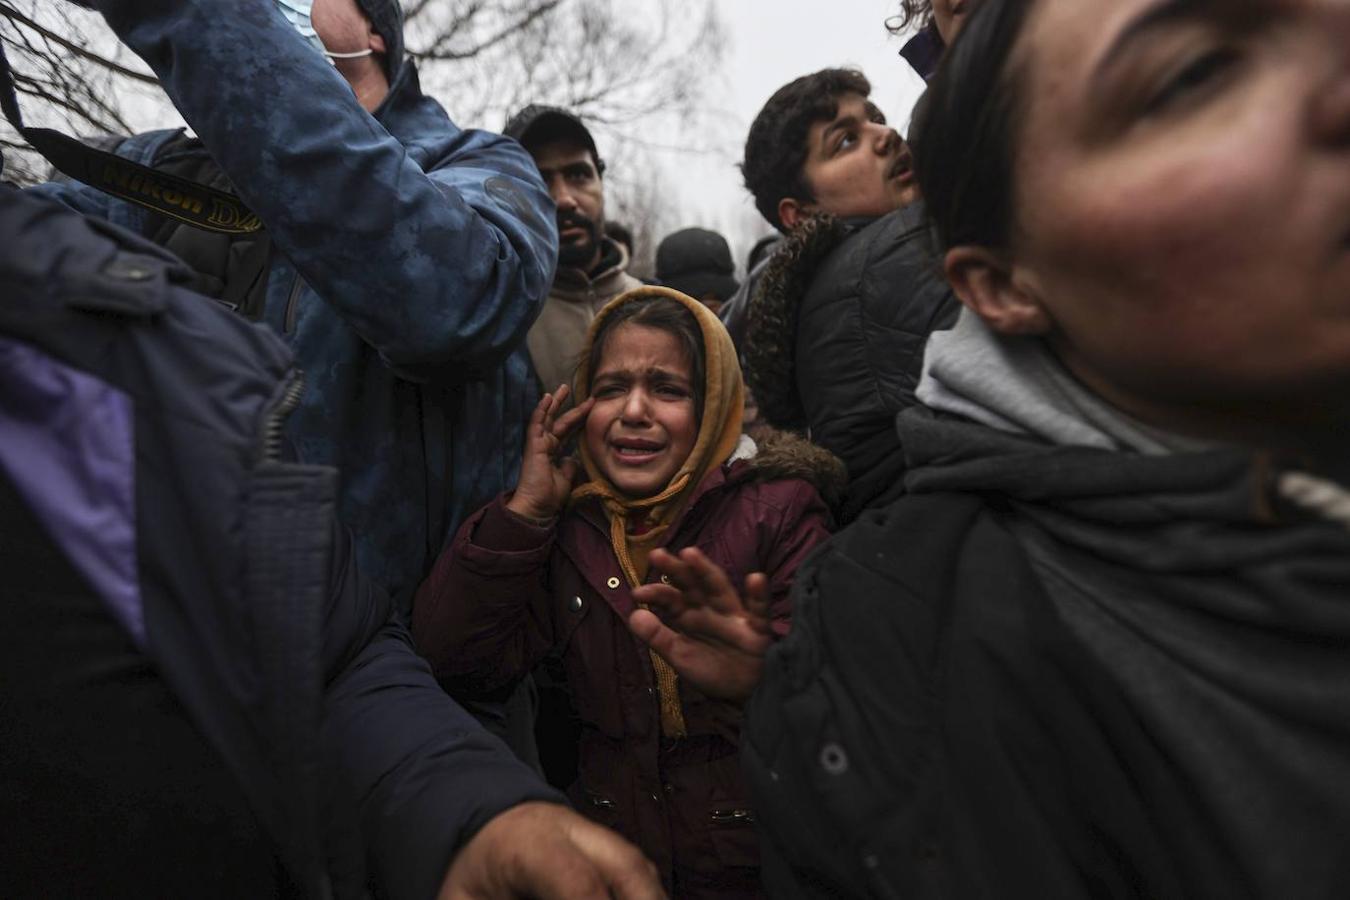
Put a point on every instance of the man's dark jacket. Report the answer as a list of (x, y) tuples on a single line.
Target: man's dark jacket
[(1063, 672), (410, 259), (835, 339), (143, 425)]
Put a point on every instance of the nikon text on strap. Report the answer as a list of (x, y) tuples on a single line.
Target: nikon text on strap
[(187, 201)]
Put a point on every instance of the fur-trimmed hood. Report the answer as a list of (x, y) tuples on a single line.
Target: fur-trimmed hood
[(771, 326), (782, 454), (836, 338)]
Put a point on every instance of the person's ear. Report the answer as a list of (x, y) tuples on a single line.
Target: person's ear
[(990, 287), (377, 42), (791, 211)]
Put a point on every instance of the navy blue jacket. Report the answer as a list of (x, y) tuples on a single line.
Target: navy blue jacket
[(155, 466), (413, 258)]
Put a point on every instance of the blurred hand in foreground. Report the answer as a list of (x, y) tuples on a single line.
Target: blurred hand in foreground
[(543, 851)]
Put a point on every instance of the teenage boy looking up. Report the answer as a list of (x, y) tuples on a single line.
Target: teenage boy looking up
[(836, 326)]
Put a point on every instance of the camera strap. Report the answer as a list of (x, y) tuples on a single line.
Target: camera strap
[(178, 198)]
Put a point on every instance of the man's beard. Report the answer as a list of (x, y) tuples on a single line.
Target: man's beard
[(577, 254)]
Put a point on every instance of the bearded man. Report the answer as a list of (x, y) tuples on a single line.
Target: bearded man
[(592, 268)]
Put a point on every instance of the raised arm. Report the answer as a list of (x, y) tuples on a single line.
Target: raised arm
[(483, 617), (438, 253)]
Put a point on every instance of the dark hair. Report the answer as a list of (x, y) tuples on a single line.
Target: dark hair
[(920, 11), (775, 150), (964, 133), (665, 314)]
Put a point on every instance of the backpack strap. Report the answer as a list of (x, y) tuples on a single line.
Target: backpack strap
[(231, 268), (178, 198)]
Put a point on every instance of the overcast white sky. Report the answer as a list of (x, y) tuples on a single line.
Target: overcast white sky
[(769, 42), (772, 42)]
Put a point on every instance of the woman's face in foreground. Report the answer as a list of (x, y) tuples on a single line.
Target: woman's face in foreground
[(1183, 200)]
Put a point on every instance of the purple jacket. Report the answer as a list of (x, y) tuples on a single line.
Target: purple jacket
[(506, 594)]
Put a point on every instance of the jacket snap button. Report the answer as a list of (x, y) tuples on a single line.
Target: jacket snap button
[(576, 604), (613, 583), (833, 759)]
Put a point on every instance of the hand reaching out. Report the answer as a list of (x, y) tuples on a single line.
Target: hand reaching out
[(545, 480), (714, 637), (547, 852)]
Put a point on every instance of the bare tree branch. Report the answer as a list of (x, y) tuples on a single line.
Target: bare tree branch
[(637, 71), (529, 17), (13, 15)]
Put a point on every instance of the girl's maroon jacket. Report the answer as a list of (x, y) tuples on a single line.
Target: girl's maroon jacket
[(508, 593)]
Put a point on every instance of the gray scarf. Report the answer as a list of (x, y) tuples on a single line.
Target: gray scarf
[(1017, 385)]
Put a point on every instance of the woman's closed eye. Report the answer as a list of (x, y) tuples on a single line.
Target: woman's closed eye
[(1193, 80)]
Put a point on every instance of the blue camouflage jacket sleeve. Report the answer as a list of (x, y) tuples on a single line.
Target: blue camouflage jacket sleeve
[(419, 774), (443, 272)]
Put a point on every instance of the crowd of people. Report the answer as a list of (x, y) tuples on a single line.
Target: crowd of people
[(389, 537)]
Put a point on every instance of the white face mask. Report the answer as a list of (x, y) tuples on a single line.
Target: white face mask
[(297, 12)]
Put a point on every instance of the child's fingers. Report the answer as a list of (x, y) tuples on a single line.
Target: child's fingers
[(666, 601), (708, 626), (757, 601), (554, 404), (568, 422), (710, 579), (540, 411), (677, 572), (647, 628)]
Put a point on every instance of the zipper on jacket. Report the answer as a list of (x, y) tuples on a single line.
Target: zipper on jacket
[(274, 423), (733, 816), (292, 305)]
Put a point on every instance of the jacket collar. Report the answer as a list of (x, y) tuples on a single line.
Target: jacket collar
[(404, 109), (729, 474)]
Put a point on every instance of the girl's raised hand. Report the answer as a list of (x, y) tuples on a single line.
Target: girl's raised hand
[(713, 636), (545, 477)]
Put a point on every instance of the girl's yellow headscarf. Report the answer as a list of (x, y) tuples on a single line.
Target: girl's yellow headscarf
[(718, 435)]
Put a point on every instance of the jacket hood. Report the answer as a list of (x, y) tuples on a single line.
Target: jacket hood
[(781, 455), (771, 319), (386, 16)]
